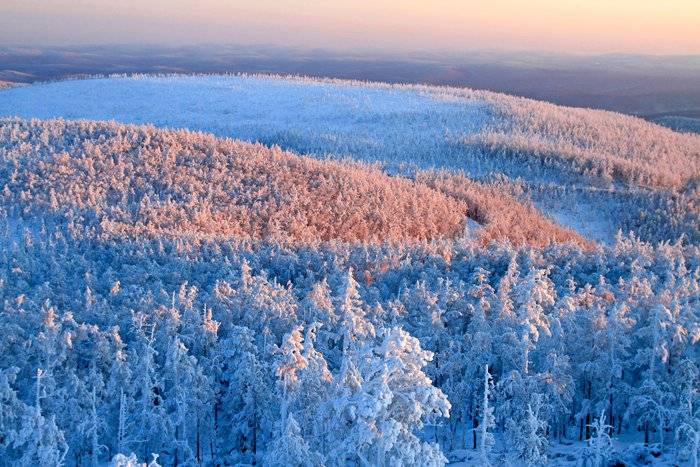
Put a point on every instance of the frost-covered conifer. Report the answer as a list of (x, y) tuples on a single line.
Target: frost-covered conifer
[(599, 446), (181, 380), (487, 422), (240, 415), (353, 327), (528, 436), (380, 399), (152, 428), (39, 441), (532, 295), (289, 448), (688, 434), (12, 411)]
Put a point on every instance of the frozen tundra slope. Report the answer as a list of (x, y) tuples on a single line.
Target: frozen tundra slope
[(595, 171)]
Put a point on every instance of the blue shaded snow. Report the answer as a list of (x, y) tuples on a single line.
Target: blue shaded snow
[(391, 125)]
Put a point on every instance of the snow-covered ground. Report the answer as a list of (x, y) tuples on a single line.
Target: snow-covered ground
[(628, 449), (375, 123)]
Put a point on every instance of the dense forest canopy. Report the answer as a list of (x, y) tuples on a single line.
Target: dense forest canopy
[(120, 180)]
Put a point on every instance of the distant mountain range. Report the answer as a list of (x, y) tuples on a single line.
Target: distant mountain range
[(646, 86)]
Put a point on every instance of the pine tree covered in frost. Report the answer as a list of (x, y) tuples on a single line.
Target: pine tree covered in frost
[(487, 423), (688, 434), (380, 399), (528, 437), (600, 447), (289, 448), (39, 440)]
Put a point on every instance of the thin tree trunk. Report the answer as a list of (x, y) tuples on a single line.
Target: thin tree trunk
[(588, 415), (580, 429), (177, 447), (255, 437), (588, 426), (216, 426), (214, 439), (558, 427), (198, 443), (646, 433), (466, 431), (612, 415)]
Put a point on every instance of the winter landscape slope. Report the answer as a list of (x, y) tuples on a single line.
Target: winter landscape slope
[(596, 171), (390, 124), (360, 278), (130, 181), (680, 123)]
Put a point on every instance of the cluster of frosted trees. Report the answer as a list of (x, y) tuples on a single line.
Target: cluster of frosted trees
[(116, 180), (600, 145), (605, 146), (681, 124), (143, 181), (235, 352)]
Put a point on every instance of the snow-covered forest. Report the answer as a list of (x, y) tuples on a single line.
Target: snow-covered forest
[(212, 301)]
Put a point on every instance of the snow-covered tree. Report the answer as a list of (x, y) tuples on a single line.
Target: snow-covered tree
[(488, 421), (599, 447), (240, 415), (39, 440), (688, 434), (528, 436), (380, 400), (152, 428), (290, 448), (354, 327), (532, 295), (12, 411)]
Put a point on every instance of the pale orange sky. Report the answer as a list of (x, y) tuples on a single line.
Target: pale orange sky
[(589, 26)]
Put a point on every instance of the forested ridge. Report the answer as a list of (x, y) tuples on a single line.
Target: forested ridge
[(114, 180)]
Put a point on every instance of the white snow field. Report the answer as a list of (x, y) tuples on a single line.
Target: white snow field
[(373, 123)]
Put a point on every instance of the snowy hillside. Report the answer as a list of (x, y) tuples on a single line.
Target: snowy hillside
[(212, 301), (596, 171), (131, 181), (370, 123), (683, 124)]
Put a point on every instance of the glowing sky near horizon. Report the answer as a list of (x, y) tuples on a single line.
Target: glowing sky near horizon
[(584, 26)]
